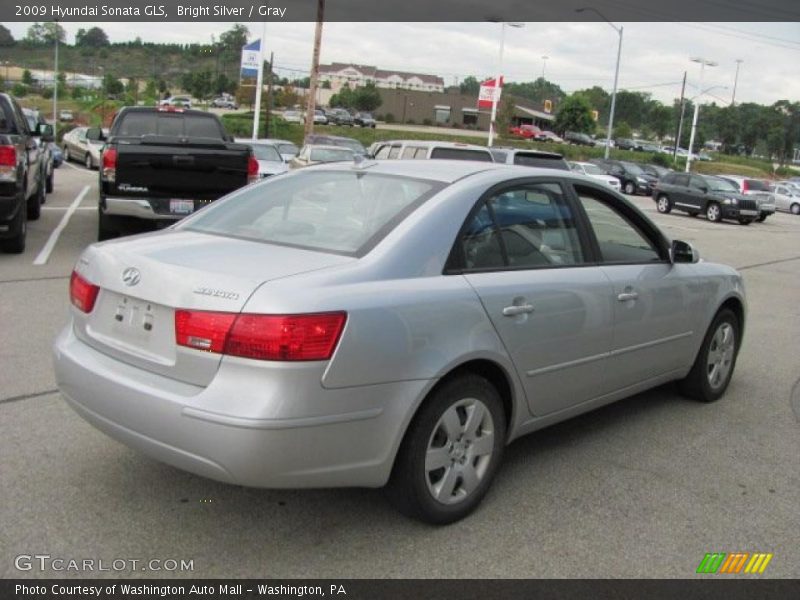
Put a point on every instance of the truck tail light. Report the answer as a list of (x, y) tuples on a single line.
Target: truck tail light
[(82, 293), (110, 165), (252, 169), (261, 337), (8, 163), (745, 186)]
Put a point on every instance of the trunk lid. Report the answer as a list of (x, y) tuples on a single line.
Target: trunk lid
[(134, 321)]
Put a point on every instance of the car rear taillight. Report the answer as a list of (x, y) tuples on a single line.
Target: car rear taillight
[(202, 330), (745, 186), (252, 169), (82, 294), (110, 164), (8, 163), (261, 337)]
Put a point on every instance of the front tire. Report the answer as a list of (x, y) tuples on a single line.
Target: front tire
[(795, 209), (663, 204), (451, 452), (713, 212), (87, 161), (762, 218), (716, 360), (630, 188)]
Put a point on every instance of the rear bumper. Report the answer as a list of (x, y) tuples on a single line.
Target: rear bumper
[(152, 209), (244, 428)]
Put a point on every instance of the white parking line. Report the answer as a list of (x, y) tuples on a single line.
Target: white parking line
[(67, 208), (51, 241)]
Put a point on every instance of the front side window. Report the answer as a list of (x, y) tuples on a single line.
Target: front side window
[(528, 226), (330, 211), (619, 240)]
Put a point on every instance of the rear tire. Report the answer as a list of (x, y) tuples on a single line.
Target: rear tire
[(106, 227), (87, 161), (34, 204), (663, 204), (49, 183), (451, 451), (16, 244), (716, 360), (713, 212)]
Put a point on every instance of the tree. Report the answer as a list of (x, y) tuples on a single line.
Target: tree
[(6, 39), (45, 33), (367, 98), (286, 96), (622, 130), (233, 39), (470, 86), (93, 38), (660, 120), (574, 114), (111, 85), (27, 77), (599, 100), (536, 91)]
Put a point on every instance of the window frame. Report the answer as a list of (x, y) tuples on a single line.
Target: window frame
[(630, 214), (456, 261)]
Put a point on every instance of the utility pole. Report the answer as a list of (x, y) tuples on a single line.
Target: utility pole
[(680, 121), (268, 108), (739, 61), (55, 83), (311, 101)]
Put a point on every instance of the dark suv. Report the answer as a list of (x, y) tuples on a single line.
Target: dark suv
[(581, 139), (632, 178), (716, 197), (22, 173)]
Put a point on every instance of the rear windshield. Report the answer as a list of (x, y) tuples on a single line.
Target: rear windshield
[(757, 185), (168, 123), (331, 154), (330, 211), (461, 154), (533, 160), (288, 149)]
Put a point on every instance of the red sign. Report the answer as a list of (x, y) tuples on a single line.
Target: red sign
[(489, 92)]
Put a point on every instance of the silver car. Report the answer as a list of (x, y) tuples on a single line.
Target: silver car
[(390, 323), (77, 146)]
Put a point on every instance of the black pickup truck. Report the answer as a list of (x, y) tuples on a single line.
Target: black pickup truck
[(160, 164), (22, 174)]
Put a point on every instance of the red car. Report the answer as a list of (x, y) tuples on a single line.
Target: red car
[(525, 131)]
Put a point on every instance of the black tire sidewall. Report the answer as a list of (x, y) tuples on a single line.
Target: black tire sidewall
[(409, 476)]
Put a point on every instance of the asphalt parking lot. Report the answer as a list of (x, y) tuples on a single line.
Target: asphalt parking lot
[(642, 488)]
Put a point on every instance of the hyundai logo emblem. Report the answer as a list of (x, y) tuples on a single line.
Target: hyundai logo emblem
[(131, 276)]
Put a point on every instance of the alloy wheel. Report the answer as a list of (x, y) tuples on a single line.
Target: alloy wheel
[(459, 451), (720, 355)]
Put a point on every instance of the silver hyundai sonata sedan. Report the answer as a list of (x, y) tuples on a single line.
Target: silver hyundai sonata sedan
[(388, 324)]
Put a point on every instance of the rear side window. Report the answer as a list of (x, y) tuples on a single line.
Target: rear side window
[(394, 152), (383, 152), (170, 124), (547, 162), (461, 154)]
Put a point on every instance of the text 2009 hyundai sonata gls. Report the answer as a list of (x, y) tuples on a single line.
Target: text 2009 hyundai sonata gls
[(388, 323)]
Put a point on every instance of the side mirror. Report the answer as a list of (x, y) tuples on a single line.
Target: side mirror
[(683, 252), (45, 131), (95, 134)]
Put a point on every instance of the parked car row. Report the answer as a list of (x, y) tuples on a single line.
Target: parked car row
[(332, 116)]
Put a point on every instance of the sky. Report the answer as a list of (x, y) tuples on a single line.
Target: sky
[(579, 55)]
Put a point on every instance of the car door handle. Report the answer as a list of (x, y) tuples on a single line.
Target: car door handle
[(517, 309), (625, 296)]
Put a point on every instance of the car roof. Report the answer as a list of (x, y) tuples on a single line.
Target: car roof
[(328, 147), (275, 141), (529, 151), (445, 170), (437, 144), (239, 140)]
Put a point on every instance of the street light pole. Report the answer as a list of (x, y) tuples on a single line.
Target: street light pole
[(544, 65), (496, 93), (739, 61), (703, 63), (619, 31), (55, 83)]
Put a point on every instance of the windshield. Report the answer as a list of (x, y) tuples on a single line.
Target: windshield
[(330, 211), (717, 184), (331, 154), (264, 152)]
